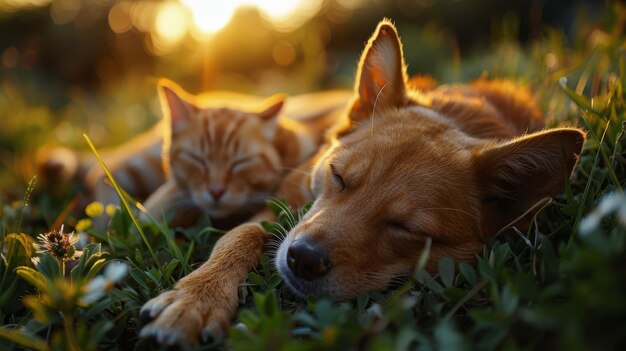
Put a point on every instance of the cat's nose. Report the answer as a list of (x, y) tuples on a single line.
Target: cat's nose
[(307, 260), (217, 192)]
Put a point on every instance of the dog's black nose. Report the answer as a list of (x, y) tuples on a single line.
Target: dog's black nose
[(307, 260)]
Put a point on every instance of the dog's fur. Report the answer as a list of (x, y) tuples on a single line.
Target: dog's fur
[(409, 162)]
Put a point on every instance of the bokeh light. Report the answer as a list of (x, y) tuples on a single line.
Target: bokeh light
[(171, 22), (12, 5), (119, 17)]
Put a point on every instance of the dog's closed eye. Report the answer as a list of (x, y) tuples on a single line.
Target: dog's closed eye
[(398, 225), (337, 177)]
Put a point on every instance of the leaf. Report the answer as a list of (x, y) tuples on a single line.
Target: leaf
[(49, 266), (19, 249), (468, 273), (434, 286), (256, 279), (406, 338), (7, 293), (454, 294), (170, 267), (305, 318), (446, 271), (487, 271), (90, 255), (41, 311), (509, 301), (422, 276), (23, 339), (324, 312), (249, 318), (34, 278), (362, 302), (274, 281), (448, 338), (139, 277), (99, 330)]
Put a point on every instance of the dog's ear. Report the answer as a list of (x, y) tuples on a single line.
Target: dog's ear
[(381, 76), (516, 177)]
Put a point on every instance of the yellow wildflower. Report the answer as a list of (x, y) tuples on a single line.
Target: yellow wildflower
[(110, 210), (94, 209), (83, 224)]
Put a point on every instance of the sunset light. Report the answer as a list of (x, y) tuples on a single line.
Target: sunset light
[(210, 16)]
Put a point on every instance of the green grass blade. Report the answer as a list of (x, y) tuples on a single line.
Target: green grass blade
[(120, 193), (580, 100)]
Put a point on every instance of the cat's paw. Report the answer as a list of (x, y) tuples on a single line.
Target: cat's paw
[(185, 318)]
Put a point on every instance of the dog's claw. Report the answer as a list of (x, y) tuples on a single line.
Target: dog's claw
[(179, 318), (207, 336), (144, 316), (212, 333)]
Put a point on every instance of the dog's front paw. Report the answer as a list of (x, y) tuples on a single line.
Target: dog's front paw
[(182, 317)]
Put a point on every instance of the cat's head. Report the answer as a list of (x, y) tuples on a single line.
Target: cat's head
[(223, 157)]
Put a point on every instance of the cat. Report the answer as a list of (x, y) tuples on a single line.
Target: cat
[(221, 154)]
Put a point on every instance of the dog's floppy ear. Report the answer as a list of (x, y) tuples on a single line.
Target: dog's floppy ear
[(516, 176), (381, 75)]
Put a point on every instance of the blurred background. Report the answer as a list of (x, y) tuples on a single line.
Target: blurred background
[(69, 67)]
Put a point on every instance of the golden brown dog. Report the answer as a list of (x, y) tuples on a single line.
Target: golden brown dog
[(455, 164)]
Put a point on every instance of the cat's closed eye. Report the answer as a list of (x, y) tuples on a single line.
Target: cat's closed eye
[(241, 163), (193, 159)]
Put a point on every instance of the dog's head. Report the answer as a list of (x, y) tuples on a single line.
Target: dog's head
[(402, 173)]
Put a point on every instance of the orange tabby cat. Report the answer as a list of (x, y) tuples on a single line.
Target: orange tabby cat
[(222, 154)]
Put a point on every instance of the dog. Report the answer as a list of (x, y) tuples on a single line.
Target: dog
[(407, 164)]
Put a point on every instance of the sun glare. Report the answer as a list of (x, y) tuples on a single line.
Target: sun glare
[(276, 9), (210, 16)]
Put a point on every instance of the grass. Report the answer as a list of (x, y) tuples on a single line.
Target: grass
[(559, 286)]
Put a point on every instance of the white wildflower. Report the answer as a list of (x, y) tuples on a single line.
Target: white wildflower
[(614, 202), (113, 273)]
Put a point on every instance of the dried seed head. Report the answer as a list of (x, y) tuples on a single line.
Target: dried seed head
[(58, 244)]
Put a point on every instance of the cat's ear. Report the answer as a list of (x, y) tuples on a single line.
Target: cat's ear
[(272, 106), (177, 108), (269, 111), (516, 177), (381, 77)]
